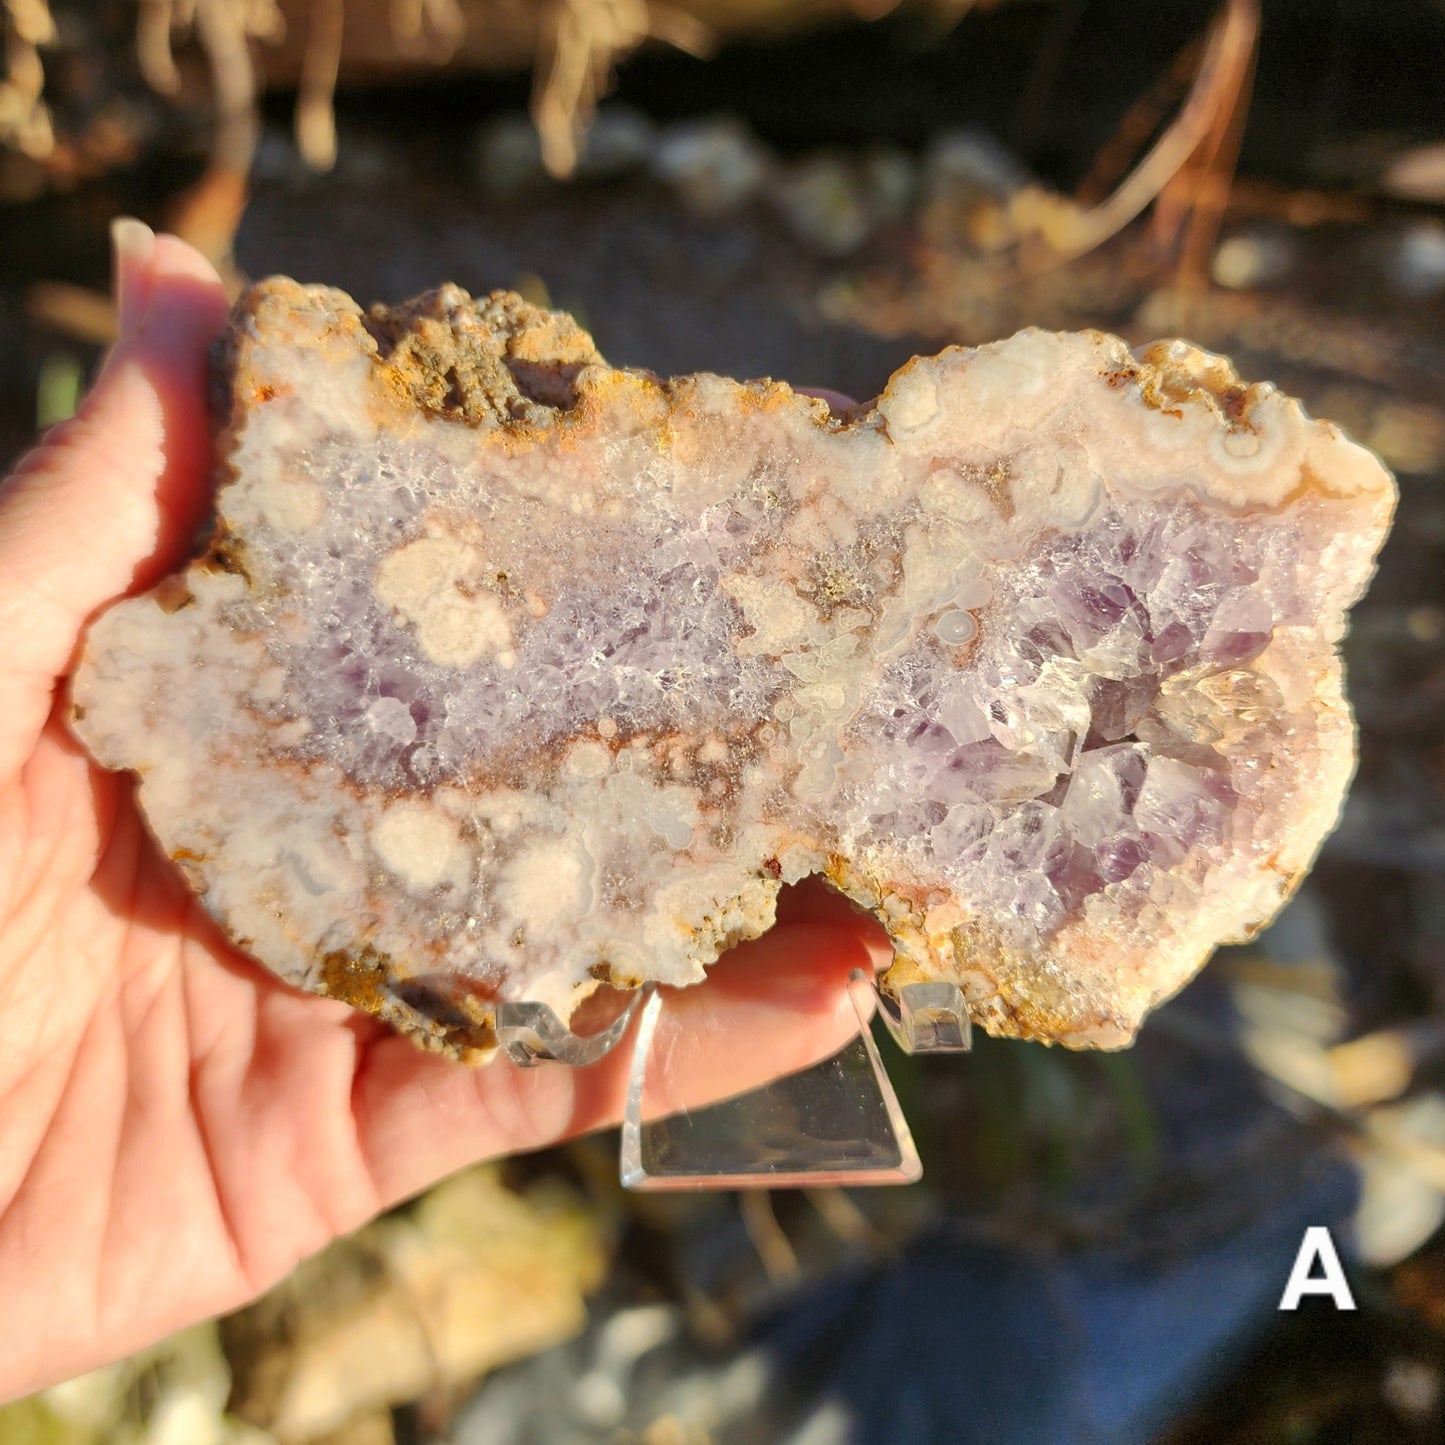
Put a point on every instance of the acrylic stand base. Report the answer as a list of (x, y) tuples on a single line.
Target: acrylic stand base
[(835, 1123), (838, 1122)]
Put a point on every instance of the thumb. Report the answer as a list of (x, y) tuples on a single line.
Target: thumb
[(110, 500)]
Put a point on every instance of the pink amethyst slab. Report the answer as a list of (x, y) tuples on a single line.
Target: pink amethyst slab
[(508, 672)]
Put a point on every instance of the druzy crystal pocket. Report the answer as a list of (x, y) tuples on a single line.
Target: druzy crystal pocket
[(507, 672)]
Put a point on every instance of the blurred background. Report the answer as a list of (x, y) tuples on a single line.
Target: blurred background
[(816, 190)]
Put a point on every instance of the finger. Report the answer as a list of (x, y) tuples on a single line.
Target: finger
[(111, 499), (133, 248), (814, 901), (769, 1008)]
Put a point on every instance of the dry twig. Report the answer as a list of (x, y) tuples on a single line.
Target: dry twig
[(315, 108), (775, 1250), (1207, 127), (581, 40), (417, 24), (24, 117)]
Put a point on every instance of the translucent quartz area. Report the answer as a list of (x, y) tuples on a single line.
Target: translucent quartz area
[(508, 672)]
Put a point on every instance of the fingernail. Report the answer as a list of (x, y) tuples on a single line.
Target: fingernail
[(133, 246)]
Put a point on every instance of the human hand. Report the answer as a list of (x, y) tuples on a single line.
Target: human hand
[(177, 1126)]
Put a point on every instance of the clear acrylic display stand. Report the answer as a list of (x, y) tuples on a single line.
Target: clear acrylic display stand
[(838, 1122), (531, 1033)]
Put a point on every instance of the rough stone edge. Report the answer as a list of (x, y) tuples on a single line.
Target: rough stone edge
[(498, 359)]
